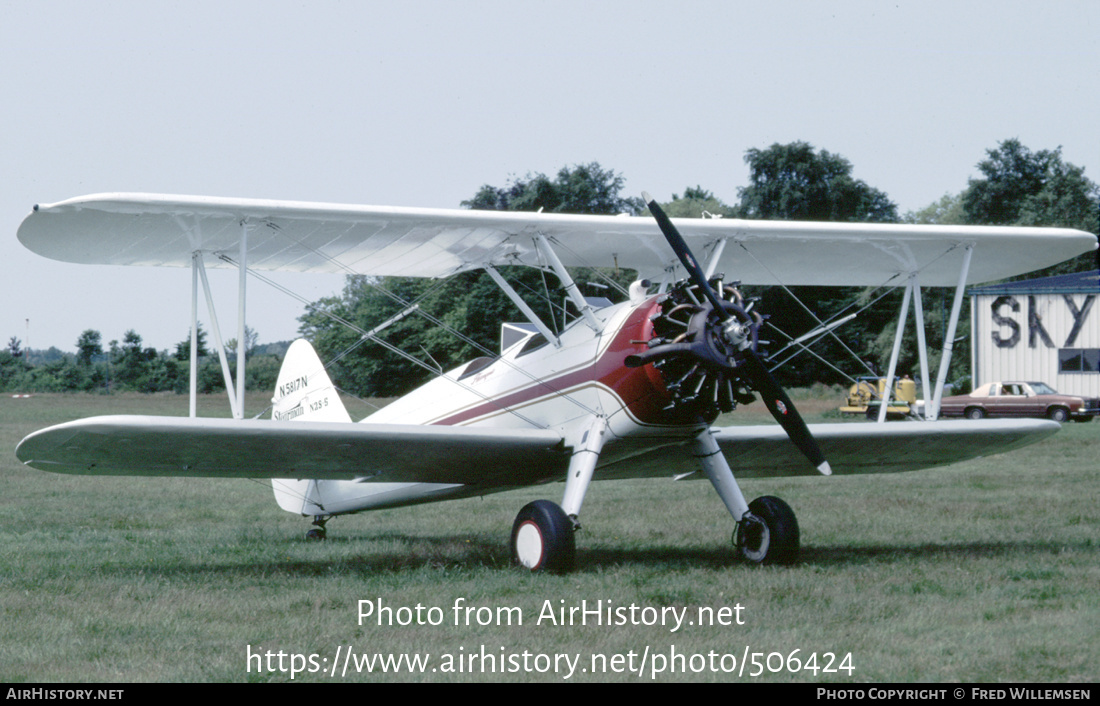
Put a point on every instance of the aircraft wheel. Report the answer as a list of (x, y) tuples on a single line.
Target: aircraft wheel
[(542, 538), (316, 534), (769, 534)]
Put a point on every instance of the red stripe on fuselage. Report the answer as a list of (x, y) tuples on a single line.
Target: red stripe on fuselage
[(640, 390)]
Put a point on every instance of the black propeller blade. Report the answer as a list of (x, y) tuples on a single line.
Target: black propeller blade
[(776, 399)]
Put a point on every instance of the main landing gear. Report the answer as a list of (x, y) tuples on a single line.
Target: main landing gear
[(543, 533), (544, 537)]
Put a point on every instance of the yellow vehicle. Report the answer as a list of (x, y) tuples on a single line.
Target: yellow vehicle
[(865, 397)]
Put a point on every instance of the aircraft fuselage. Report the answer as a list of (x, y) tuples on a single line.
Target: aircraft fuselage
[(538, 383)]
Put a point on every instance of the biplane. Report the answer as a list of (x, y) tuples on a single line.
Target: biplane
[(626, 390)]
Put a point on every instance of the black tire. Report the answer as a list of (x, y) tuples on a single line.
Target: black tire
[(543, 538), (974, 413), (772, 537), (315, 534), (1058, 414)]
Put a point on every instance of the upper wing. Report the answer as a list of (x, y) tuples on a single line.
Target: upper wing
[(180, 446), (146, 229), (852, 448)]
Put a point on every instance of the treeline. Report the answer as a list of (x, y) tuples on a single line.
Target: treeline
[(130, 366)]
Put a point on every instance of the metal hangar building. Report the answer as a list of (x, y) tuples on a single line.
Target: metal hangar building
[(1045, 329)]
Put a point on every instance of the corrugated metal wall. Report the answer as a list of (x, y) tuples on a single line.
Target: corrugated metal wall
[(1018, 336)]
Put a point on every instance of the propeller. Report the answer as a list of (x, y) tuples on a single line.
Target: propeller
[(729, 343)]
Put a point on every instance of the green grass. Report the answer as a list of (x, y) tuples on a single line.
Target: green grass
[(983, 571)]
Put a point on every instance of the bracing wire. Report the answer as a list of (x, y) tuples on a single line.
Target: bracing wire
[(367, 335), (836, 315), (430, 318)]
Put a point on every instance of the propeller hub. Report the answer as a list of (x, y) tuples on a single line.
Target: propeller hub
[(737, 334)]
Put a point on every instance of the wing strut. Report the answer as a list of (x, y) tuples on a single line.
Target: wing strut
[(194, 384), (887, 392), (949, 339), (522, 305), (242, 344), (198, 272), (216, 331), (567, 282)]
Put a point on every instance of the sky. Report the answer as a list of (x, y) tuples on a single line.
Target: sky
[(419, 103)]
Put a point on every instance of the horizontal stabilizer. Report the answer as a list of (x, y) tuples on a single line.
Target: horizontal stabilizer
[(260, 448)]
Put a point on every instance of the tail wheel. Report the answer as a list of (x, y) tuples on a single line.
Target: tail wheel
[(317, 534), (543, 539), (769, 533)]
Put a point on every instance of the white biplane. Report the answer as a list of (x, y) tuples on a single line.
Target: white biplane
[(627, 390)]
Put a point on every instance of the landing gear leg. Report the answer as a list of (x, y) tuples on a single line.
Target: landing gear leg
[(717, 469), (767, 531), (543, 533), (318, 531)]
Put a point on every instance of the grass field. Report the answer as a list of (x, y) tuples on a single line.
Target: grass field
[(981, 572)]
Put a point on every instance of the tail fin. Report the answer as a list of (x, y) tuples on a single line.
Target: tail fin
[(304, 392)]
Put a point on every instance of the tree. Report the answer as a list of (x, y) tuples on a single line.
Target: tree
[(15, 347), (947, 211), (1021, 187), (797, 182), (584, 188), (793, 182), (89, 345), (183, 348), (695, 203), (250, 338), (1013, 174), (1068, 199), (12, 371), (469, 303), (131, 361)]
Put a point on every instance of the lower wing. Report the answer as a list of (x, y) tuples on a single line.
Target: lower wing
[(852, 448), (390, 453)]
